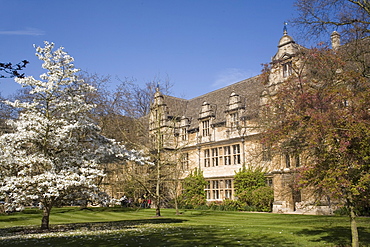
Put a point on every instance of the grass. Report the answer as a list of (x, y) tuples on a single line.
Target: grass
[(126, 227)]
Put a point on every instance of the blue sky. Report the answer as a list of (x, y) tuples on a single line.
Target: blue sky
[(198, 45)]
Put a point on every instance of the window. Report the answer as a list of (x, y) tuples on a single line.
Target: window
[(208, 189), (269, 181), (227, 156), (287, 161), (214, 156), (185, 161), (228, 189), (287, 69), (184, 134), (236, 154), (205, 125), (234, 120), (297, 161), (215, 189), (220, 155), (206, 158), (219, 189)]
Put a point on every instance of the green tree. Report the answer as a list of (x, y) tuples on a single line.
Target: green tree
[(322, 114), (193, 189), (250, 188)]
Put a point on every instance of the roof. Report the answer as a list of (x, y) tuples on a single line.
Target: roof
[(249, 90)]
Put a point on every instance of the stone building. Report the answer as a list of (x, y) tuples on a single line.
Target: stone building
[(218, 133)]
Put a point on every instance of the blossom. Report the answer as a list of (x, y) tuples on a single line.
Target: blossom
[(55, 150)]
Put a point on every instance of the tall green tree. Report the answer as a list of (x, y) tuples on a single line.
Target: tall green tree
[(322, 114)]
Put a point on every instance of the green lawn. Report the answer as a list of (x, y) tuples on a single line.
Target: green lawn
[(125, 227)]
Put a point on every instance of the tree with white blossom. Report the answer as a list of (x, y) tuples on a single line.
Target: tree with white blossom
[(55, 150)]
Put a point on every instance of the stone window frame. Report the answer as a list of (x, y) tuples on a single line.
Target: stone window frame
[(236, 154), (222, 155), (206, 125), (234, 119), (287, 69), (228, 188), (214, 156), (219, 189), (287, 160), (216, 189), (184, 133), (227, 155), (207, 158), (208, 190), (184, 160)]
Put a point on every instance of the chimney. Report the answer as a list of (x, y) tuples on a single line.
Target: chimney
[(335, 40)]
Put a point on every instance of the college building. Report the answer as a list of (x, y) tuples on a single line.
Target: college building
[(218, 133)]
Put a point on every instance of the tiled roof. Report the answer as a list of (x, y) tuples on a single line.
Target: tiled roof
[(176, 106), (249, 91)]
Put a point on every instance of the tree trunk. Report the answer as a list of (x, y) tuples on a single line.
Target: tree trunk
[(176, 205), (158, 209), (45, 218), (176, 199), (354, 231), (157, 193)]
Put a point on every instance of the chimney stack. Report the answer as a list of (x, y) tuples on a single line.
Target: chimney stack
[(335, 40)]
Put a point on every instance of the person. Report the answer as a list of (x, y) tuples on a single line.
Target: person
[(124, 201)]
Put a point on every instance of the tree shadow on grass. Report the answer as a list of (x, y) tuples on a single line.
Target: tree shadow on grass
[(87, 226), (338, 236), (162, 235)]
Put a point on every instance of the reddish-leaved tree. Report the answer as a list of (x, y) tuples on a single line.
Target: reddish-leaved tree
[(322, 112)]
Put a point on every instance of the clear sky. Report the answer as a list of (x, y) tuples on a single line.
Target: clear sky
[(199, 45)]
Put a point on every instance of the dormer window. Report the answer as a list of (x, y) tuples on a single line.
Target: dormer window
[(233, 110), (206, 111), (287, 69), (184, 124), (234, 102), (205, 128), (234, 119)]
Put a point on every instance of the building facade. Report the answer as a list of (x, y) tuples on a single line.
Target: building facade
[(218, 133)]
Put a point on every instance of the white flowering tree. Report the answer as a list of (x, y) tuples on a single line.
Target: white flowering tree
[(55, 149)]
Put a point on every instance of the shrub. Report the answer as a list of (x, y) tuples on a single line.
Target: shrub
[(193, 190), (262, 198), (251, 190)]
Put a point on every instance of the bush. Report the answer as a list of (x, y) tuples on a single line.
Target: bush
[(193, 194), (359, 211), (230, 205), (262, 198), (252, 192)]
